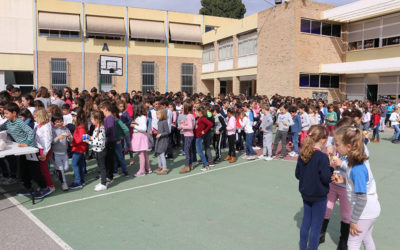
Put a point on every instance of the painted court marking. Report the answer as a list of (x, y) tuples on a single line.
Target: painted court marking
[(140, 187), (35, 220)]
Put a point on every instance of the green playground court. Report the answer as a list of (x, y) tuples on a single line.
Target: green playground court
[(245, 205)]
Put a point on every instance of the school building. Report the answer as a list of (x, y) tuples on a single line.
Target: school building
[(298, 48)]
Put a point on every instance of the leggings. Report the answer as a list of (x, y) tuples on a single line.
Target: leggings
[(366, 226), (44, 167), (188, 150), (161, 161), (231, 142), (311, 224), (337, 192), (144, 162)]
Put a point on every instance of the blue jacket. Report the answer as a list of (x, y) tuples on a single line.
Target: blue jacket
[(296, 127), (314, 177)]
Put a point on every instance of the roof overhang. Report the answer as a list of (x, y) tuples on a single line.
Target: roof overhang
[(360, 10), (363, 67)]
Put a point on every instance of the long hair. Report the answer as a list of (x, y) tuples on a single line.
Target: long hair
[(315, 134), (138, 110), (99, 117), (353, 136), (41, 116), (80, 118)]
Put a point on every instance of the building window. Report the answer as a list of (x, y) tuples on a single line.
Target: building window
[(147, 76), (320, 28), (187, 77), (59, 33), (121, 38), (106, 82), (225, 49), (391, 41), (58, 73), (247, 44), (319, 81), (210, 28), (208, 53)]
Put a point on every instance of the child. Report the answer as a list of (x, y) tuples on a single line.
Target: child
[(24, 136), (267, 128), (314, 175), (394, 119), (43, 139), (208, 137), (61, 138), (140, 141), (331, 119), (360, 186), (231, 133), (67, 117), (305, 122), (376, 119), (127, 120), (203, 125), (98, 143), (187, 127), (220, 129), (27, 101), (295, 130), (109, 124), (366, 119), (162, 141), (78, 148), (315, 118), (247, 125), (284, 121), (27, 117)]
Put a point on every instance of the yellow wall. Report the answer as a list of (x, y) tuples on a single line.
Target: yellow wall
[(236, 27), (16, 62), (230, 73), (372, 54), (59, 6)]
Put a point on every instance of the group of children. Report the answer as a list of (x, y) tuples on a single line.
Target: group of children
[(107, 126)]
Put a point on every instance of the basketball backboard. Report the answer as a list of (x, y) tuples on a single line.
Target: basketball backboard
[(111, 65)]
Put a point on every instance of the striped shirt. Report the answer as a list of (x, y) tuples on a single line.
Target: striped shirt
[(19, 131)]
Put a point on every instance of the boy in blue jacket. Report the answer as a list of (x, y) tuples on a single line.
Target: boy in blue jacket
[(295, 130)]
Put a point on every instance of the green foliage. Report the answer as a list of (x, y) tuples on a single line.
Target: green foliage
[(223, 8)]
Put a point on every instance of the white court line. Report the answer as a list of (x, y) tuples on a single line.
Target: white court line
[(35, 220), (140, 187)]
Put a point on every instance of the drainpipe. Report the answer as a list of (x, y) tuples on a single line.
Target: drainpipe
[(36, 47), (83, 44), (126, 49), (166, 51)]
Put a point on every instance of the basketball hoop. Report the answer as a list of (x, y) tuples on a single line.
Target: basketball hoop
[(111, 65)]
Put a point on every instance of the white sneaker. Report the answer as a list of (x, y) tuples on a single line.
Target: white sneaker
[(252, 157), (100, 187), (64, 186), (294, 154), (291, 153), (245, 157), (256, 148), (261, 157), (267, 158)]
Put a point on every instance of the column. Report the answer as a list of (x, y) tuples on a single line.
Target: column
[(235, 51), (217, 86), (2, 80), (236, 85), (253, 87)]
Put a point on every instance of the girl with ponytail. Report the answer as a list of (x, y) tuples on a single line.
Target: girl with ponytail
[(314, 175), (360, 186)]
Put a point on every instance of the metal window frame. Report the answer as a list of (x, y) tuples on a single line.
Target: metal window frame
[(142, 73), (66, 72), (186, 86)]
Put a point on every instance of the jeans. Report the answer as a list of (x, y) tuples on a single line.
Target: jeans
[(396, 132), (375, 133), (199, 149), (119, 158), (188, 150), (295, 139), (314, 213), (280, 136), (78, 165), (382, 123), (249, 144)]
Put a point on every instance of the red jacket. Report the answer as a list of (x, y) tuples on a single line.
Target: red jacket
[(376, 119), (203, 124), (78, 145)]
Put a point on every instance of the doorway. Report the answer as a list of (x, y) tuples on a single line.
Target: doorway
[(372, 93)]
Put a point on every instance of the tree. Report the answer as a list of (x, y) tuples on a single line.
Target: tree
[(223, 8)]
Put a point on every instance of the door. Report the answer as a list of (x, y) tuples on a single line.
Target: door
[(372, 93)]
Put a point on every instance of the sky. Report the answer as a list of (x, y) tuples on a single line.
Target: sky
[(193, 6)]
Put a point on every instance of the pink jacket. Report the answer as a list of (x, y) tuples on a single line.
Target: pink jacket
[(188, 125), (231, 127)]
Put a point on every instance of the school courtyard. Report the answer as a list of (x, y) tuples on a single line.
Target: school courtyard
[(245, 205)]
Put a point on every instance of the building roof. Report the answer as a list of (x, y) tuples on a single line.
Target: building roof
[(360, 10), (361, 67)]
